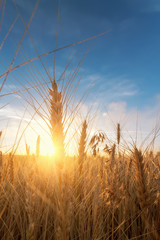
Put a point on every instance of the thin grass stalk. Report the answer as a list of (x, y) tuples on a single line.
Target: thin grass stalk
[(11, 167), (118, 133), (27, 150), (1, 165), (82, 146), (143, 195), (2, 15), (38, 147), (31, 37), (142, 192), (4, 39), (47, 53), (18, 47), (56, 115), (118, 136)]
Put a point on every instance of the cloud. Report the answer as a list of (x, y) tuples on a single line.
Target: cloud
[(113, 92), (116, 112), (134, 122), (107, 88)]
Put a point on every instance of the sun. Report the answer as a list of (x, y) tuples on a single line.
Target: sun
[(48, 148)]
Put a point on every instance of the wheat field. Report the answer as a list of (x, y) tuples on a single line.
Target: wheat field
[(89, 197), (108, 189)]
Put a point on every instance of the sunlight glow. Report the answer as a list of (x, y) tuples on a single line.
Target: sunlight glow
[(48, 149)]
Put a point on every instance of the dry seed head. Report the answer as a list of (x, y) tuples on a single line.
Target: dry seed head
[(1, 165), (11, 167), (1, 161), (95, 141), (140, 177), (82, 145), (38, 146), (118, 133), (113, 151), (56, 116)]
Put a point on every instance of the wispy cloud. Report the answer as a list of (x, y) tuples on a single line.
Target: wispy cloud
[(109, 88), (116, 111)]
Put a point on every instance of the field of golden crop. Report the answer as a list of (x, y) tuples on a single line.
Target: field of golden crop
[(103, 192), (114, 197)]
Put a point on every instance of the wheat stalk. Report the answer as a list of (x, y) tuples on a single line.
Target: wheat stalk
[(143, 195), (1, 165), (38, 146), (118, 133), (11, 167), (82, 146), (56, 115), (27, 149)]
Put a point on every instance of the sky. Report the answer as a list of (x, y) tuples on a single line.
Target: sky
[(120, 71)]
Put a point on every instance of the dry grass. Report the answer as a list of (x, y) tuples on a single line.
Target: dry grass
[(109, 200)]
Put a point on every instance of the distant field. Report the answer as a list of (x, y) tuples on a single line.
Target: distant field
[(110, 197)]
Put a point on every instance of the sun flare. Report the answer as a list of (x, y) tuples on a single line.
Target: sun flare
[(48, 148)]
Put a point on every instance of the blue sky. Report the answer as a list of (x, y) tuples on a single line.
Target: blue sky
[(121, 66), (129, 53)]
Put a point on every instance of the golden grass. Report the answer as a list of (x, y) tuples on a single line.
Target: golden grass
[(110, 199)]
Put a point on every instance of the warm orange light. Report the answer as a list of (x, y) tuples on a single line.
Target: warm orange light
[(47, 148)]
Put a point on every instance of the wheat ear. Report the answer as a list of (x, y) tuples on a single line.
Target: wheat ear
[(11, 167), (56, 115), (118, 133), (82, 146), (38, 146), (1, 165), (143, 195)]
